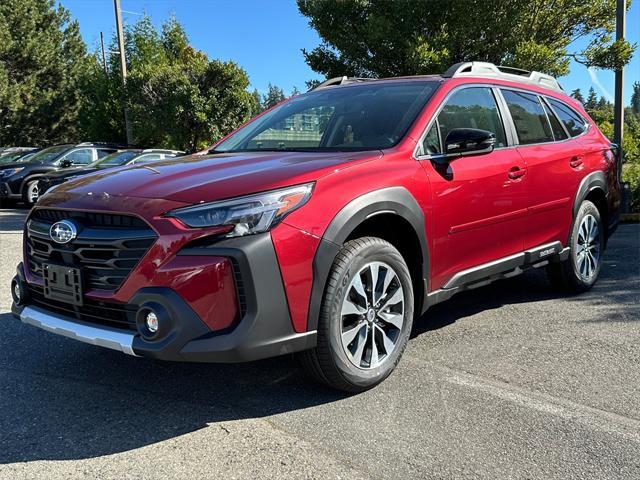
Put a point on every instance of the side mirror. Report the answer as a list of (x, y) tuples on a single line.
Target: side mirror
[(66, 163), (468, 141)]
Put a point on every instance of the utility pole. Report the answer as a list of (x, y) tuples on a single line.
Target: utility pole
[(104, 56), (618, 109), (123, 68)]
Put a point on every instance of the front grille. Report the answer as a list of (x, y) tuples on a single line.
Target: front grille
[(110, 314), (107, 248)]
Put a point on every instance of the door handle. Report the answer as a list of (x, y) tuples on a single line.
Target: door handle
[(516, 173), (575, 162)]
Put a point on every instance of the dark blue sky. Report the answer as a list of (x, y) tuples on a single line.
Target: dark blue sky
[(265, 37)]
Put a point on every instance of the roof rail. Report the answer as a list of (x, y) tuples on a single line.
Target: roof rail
[(485, 69), (344, 80)]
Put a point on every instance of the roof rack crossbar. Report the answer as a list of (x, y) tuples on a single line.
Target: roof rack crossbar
[(486, 69), (344, 80)]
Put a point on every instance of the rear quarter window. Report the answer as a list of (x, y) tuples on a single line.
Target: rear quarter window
[(572, 120)]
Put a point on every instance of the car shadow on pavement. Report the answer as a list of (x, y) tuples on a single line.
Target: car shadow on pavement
[(12, 220), (64, 400), (532, 286), (61, 399)]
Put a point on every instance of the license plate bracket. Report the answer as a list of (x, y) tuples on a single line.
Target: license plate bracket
[(62, 283)]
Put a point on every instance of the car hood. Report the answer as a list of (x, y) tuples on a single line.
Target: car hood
[(207, 178), (69, 172), (6, 166)]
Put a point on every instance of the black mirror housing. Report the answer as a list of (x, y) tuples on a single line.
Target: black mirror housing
[(66, 163), (468, 141)]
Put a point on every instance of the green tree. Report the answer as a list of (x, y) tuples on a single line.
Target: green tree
[(43, 61), (577, 94), (257, 102), (603, 103), (635, 98), (602, 114), (407, 37), (177, 96), (592, 100), (273, 96)]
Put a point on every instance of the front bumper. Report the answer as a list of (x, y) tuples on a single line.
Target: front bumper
[(104, 337), (263, 330), (5, 191)]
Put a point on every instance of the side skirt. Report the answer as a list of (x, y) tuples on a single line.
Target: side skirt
[(503, 268)]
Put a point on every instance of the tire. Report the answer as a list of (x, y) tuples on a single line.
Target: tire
[(30, 189), (348, 356), (580, 271)]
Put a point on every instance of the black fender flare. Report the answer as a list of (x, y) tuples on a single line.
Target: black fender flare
[(394, 200), (593, 181), (30, 177)]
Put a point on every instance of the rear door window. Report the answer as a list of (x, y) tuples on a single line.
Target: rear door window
[(473, 107), (528, 117), (103, 152), (575, 124)]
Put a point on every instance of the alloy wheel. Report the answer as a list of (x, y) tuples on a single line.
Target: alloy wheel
[(372, 315), (32, 192), (587, 252)]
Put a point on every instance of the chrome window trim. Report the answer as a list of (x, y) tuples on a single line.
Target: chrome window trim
[(505, 116)]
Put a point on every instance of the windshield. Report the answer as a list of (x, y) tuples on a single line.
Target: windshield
[(359, 117), (12, 157), (114, 159), (49, 155)]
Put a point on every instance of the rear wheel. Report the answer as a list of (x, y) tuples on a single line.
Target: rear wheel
[(580, 271), (365, 319)]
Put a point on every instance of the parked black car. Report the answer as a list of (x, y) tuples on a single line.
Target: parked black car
[(19, 180), (115, 159), (15, 154)]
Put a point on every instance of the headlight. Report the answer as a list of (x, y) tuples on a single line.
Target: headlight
[(248, 215), (11, 171)]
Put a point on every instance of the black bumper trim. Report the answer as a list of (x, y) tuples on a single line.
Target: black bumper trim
[(265, 330)]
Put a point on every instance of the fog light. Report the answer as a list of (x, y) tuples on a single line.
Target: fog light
[(17, 293), (151, 320)]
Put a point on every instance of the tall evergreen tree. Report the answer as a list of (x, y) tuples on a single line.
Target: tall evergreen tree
[(577, 94), (635, 98), (43, 61), (273, 96), (592, 100), (603, 103)]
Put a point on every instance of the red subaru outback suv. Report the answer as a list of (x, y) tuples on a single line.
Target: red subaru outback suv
[(327, 224)]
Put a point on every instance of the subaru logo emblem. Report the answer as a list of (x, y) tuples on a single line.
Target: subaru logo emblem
[(63, 231)]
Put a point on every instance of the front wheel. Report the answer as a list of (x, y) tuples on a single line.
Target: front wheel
[(31, 193), (580, 271), (365, 319)]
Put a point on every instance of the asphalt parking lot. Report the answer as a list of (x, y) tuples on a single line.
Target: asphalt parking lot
[(508, 381)]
